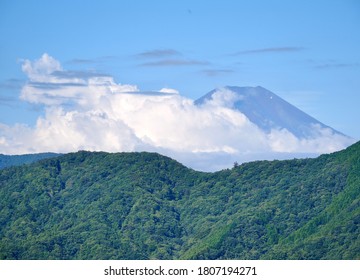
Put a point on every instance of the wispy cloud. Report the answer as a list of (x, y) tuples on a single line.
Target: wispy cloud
[(82, 61), (270, 50), (166, 58), (97, 60), (159, 53), (7, 99), (216, 72), (77, 74), (331, 64), (8, 91), (336, 65), (173, 62), (12, 84)]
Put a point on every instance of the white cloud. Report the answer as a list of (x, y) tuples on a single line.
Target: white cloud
[(49, 84), (326, 141), (40, 70), (90, 130), (91, 111), (169, 90), (224, 97)]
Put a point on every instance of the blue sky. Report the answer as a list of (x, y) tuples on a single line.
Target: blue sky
[(307, 52)]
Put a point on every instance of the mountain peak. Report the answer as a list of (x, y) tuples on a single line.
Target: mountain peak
[(269, 111)]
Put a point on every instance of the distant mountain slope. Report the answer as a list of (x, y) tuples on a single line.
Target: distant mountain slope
[(146, 206), (16, 160), (268, 111)]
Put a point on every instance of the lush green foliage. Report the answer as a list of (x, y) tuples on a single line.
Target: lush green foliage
[(146, 206), (7, 160)]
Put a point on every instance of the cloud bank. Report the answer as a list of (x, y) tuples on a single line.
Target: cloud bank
[(90, 111)]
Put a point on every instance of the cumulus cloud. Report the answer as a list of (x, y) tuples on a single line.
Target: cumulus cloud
[(89, 111), (40, 70), (49, 84)]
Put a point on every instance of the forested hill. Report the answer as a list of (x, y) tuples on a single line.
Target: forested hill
[(146, 206)]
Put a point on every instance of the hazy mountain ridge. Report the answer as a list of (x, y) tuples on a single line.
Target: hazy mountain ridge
[(16, 160), (143, 206)]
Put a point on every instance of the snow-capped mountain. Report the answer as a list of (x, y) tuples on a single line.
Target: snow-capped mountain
[(267, 110)]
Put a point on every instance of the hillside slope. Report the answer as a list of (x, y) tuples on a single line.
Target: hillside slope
[(146, 206)]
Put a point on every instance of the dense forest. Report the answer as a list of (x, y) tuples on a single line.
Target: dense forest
[(97, 205)]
